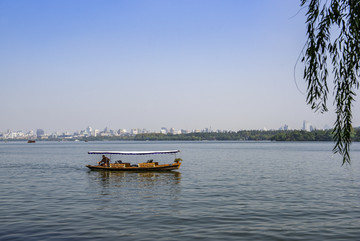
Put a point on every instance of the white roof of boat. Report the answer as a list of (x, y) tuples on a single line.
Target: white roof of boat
[(133, 152)]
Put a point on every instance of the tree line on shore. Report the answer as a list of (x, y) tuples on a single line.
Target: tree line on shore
[(244, 135)]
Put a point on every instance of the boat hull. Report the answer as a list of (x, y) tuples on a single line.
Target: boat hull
[(166, 167)]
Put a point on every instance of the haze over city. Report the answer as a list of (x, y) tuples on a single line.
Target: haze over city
[(231, 65)]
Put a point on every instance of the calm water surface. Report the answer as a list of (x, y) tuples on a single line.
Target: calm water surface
[(223, 191)]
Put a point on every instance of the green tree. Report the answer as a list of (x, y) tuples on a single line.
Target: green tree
[(333, 30)]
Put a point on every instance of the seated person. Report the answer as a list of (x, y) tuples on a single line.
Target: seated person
[(104, 161)]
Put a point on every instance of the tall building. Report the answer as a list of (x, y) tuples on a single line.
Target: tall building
[(95, 132), (306, 126), (40, 132), (88, 131)]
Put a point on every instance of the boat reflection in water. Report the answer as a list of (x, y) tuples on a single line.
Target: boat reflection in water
[(128, 187), (115, 178)]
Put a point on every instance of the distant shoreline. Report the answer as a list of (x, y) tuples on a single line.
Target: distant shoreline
[(246, 135)]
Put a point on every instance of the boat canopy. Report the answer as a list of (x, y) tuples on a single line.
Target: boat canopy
[(133, 152)]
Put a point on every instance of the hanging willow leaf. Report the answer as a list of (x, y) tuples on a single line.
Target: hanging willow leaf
[(333, 30)]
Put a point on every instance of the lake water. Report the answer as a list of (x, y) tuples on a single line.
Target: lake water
[(223, 191)]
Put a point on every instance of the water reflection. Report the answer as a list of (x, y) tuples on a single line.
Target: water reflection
[(107, 178), (113, 183), (135, 192)]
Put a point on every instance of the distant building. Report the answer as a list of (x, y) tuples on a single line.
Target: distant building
[(88, 131), (95, 132), (40, 132), (104, 134), (30, 133), (113, 132), (134, 132), (184, 131), (306, 126), (164, 130), (284, 128), (122, 132), (206, 130), (66, 134)]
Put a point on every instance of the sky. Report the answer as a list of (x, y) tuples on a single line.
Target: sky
[(186, 64)]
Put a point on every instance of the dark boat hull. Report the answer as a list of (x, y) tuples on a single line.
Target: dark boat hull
[(156, 168)]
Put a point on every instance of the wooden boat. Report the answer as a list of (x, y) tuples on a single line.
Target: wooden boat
[(31, 141), (145, 166)]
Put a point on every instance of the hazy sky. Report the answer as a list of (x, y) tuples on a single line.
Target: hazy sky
[(187, 64)]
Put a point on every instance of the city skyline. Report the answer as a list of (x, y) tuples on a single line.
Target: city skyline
[(89, 131), (299, 126), (186, 64)]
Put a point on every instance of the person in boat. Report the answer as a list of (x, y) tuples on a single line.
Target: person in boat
[(105, 161)]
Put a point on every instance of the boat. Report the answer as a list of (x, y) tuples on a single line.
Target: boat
[(31, 141), (150, 165)]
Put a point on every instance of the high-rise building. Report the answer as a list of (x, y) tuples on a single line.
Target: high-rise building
[(306, 126), (95, 132), (88, 131), (40, 132)]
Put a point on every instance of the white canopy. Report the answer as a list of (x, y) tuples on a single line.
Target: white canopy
[(133, 152)]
